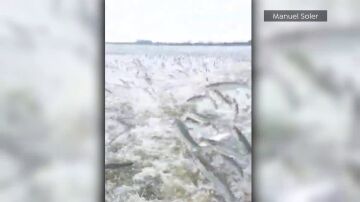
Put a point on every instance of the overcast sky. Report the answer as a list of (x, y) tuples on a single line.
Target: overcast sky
[(178, 20)]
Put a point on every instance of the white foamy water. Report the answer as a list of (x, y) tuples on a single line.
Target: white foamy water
[(208, 89)]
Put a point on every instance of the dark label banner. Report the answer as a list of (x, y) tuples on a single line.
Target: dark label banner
[(295, 15)]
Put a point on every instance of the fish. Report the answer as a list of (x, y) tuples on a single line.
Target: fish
[(196, 97), (235, 163), (236, 107), (224, 152), (218, 181), (118, 165), (185, 132), (242, 138), (107, 90), (226, 85), (223, 97)]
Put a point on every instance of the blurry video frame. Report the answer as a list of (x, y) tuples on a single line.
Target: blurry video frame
[(307, 105)]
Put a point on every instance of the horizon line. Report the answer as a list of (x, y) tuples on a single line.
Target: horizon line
[(144, 42)]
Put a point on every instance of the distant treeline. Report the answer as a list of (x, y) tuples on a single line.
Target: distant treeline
[(148, 42)]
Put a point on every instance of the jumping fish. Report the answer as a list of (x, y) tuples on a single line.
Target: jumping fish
[(118, 165)]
